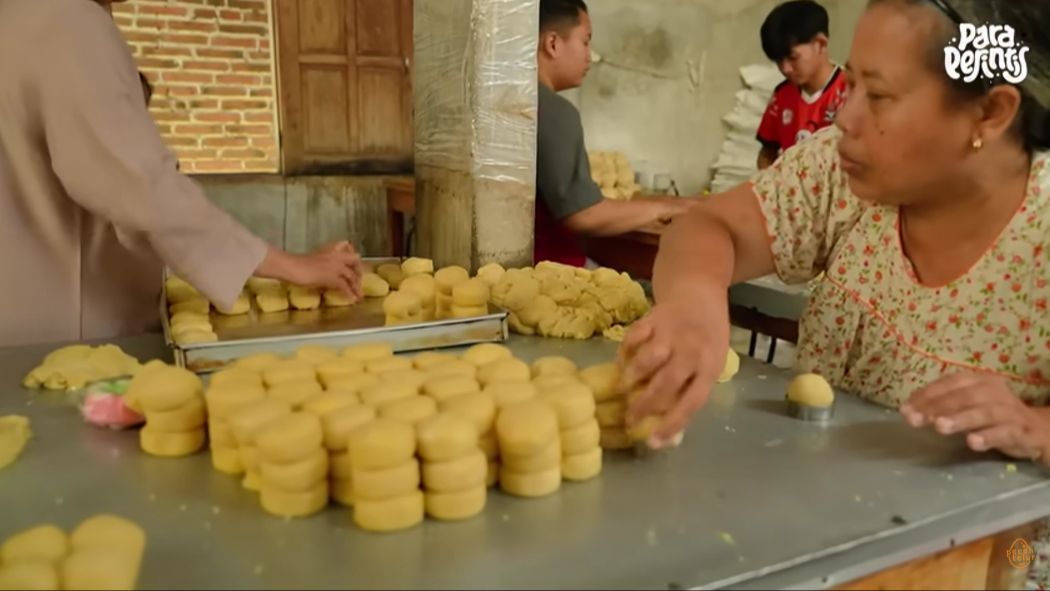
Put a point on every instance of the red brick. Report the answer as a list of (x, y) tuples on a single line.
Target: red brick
[(204, 104), (177, 90), (225, 142), (216, 166), (166, 51), (264, 142), (249, 129), (198, 25), (184, 39), (205, 13), (215, 117), (226, 54), (242, 105), (166, 129), (123, 21), (248, 154), (241, 67), (166, 10), (242, 79), (260, 56), (256, 17), (189, 77), (169, 116), (247, 4), (261, 92), (196, 154), (149, 23), (223, 41), (224, 91), (181, 141), (231, 15), (243, 29), (157, 64), (264, 43), (197, 129), (258, 117), (216, 66), (134, 36)]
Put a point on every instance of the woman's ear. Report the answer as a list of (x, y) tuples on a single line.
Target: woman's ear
[(1000, 108)]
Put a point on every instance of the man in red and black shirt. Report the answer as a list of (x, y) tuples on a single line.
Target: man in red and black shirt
[(795, 37), (568, 202)]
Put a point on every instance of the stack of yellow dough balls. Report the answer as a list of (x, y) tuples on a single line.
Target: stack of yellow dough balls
[(611, 404), (386, 476), (455, 469), (228, 391), (470, 299), (480, 409), (402, 307), (560, 301), (530, 449), (103, 552), (246, 422), (574, 403), (293, 466), (337, 424), (445, 280), (190, 328), (270, 296), (172, 401)]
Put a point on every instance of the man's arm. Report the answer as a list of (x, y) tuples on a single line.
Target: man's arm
[(609, 217), (767, 156)]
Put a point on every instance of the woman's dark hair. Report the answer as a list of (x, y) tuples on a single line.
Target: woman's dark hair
[(1030, 20)]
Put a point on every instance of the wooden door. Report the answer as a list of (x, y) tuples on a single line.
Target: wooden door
[(344, 72)]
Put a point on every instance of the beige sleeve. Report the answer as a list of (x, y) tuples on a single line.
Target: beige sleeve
[(107, 153)]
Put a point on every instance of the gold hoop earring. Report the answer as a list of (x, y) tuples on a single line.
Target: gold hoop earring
[(978, 143)]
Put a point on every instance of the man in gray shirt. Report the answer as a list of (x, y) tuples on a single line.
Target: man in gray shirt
[(569, 203)]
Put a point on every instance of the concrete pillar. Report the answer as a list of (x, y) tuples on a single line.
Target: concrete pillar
[(475, 128)]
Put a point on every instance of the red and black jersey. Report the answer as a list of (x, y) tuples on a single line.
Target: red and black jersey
[(793, 116)]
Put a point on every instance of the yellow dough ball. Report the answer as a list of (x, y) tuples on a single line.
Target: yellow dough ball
[(553, 365), (289, 370), (445, 436), (178, 290), (582, 466), (424, 288), (47, 543), (295, 393), (443, 387), (428, 359), (489, 445), (390, 515), (171, 445), (526, 428), (110, 531), (574, 404), (258, 284), (547, 459), (485, 353), (246, 421), (374, 286), (385, 483), (221, 434), (539, 484), (603, 380), (29, 575), (242, 305), (504, 370), (731, 367), (472, 292), (187, 418), (449, 277), (402, 307), (456, 506), (458, 474), (504, 394), (334, 369), (282, 503), (412, 378), (339, 466), (352, 384), (163, 388), (199, 306), (227, 460), (195, 337), (491, 273), (326, 402), (811, 389), (368, 352), (539, 308), (581, 439), (477, 407), (417, 266), (298, 476), (339, 424), (235, 375), (388, 364), (517, 326), (290, 438), (335, 298), (615, 439), (410, 410), (316, 354), (381, 444), (257, 362), (515, 290), (392, 274), (225, 400), (454, 367), (612, 413), (342, 492), (384, 392), (551, 381), (272, 301), (461, 312), (304, 298), (97, 568)]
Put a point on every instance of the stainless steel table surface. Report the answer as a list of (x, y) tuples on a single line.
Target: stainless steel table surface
[(751, 499)]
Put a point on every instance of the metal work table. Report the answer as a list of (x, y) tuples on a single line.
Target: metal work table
[(751, 499)]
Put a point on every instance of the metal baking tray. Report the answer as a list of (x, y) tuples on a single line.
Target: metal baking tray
[(282, 333)]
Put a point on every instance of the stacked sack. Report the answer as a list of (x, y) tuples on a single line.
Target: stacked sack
[(171, 400), (103, 552), (293, 466), (385, 475), (454, 468)]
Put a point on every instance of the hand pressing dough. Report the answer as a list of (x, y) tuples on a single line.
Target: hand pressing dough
[(402, 307), (186, 418), (491, 273), (553, 365), (374, 286), (339, 424), (644, 429), (505, 394), (386, 483), (390, 515), (392, 274), (248, 420), (477, 407), (471, 293), (289, 370), (731, 367), (329, 371), (548, 458), (353, 384), (526, 428), (335, 298), (381, 444), (295, 393), (14, 435), (225, 400), (342, 492), (429, 359), (811, 389), (417, 266), (574, 404), (299, 476), (283, 503), (449, 277), (552, 381), (164, 387), (242, 305), (539, 484), (257, 362), (45, 543), (29, 575), (327, 402), (504, 370), (290, 438), (368, 352), (171, 445), (444, 387), (199, 306), (388, 364), (603, 380), (456, 475), (227, 460), (582, 466), (316, 354), (581, 439), (446, 436), (611, 414), (454, 367), (272, 301), (235, 375), (456, 506), (485, 353), (410, 410), (384, 392), (304, 298)]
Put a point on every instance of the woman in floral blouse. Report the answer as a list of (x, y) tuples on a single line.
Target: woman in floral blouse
[(927, 208)]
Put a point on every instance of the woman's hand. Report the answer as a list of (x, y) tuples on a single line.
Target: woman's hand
[(983, 407), (333, 266), (676, 354)]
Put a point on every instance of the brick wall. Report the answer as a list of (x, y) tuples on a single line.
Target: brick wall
[(211, 64)]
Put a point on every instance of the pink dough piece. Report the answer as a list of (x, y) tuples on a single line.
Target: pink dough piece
[(109, 410)]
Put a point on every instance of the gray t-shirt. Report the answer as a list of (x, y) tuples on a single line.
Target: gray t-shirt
[(563, 173)]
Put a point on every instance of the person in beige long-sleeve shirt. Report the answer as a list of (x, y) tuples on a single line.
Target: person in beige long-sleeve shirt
[(91, 203)]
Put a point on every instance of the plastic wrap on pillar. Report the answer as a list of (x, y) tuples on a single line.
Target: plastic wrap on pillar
[(475, 128)]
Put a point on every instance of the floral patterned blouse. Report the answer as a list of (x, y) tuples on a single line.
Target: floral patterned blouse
[(871, 327)]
